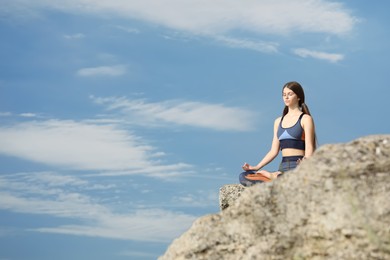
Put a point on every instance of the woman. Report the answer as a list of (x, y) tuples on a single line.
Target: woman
[(294, 135)]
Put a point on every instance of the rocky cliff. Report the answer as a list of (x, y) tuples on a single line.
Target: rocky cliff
[(335, 205)]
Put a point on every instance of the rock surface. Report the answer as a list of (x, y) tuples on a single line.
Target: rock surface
[(335, 205), (228, 194)]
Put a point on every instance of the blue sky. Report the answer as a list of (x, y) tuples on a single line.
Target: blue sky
[(120, 120)]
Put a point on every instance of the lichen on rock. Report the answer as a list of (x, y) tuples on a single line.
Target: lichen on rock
[(228, 194)]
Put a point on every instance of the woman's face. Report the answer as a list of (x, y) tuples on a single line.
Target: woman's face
[(289, 97)]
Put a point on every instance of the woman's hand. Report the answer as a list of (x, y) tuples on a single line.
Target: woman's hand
[(246, 167)]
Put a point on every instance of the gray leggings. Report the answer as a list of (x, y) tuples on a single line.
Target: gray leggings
[(288, 163)]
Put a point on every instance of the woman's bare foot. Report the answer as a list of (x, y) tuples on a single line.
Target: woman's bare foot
[(258, 177), (265, 173), (274, 175), (263, 176)]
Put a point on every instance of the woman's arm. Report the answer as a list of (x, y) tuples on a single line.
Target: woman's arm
[(309, 128), (274, 151)]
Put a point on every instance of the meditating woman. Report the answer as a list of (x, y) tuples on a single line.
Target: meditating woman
[(294, 135)]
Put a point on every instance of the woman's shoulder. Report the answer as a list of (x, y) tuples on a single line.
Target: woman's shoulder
[(276, 124), (307, 119), (277, 120)]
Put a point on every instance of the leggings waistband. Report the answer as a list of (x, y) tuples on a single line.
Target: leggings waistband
[(291, 158)]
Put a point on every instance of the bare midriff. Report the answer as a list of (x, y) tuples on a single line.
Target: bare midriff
[(292, 152)]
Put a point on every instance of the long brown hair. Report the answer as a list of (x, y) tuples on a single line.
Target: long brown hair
[(298, 90)]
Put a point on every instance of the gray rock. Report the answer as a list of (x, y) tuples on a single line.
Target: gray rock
[(335, 205), (228, 194)]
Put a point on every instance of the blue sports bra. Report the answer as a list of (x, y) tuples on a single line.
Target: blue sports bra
[(292, 137)]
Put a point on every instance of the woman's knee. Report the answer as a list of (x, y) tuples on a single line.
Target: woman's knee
[(244, 181)]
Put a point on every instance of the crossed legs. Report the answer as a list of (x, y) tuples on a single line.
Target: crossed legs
[(263, 175)]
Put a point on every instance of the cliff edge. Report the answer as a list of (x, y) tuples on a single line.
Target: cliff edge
[(335, 205)]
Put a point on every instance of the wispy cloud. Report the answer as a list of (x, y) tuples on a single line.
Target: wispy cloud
[(23, 194), (112, 71), (332, 57), (52, 179), (165, 172), (196, 114), (261, 46), (142, 225), (200, 198), (216, 19), (128, 29), (28, 115), (74, 36), (40, 184), (218, 16), (79, 145)]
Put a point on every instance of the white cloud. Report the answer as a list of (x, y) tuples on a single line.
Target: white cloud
[(28, 115), (74, 36), (266, 47), (113, 71), (78, 145), (53, 179), (212, 116), (47, 184), (128, 29), (332, 57), (166, 172), (142, 225), (217, 20), (201, 198), (22, 194), (217, 16)]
